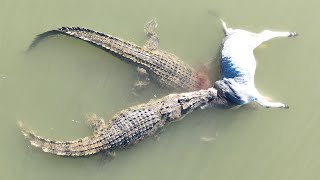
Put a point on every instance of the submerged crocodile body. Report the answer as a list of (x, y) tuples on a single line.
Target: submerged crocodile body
[(131, 125), (164, 67)]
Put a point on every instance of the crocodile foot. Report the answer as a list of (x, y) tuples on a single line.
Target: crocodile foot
[(150, 27), (96, 123), (142, 81), (150, 31)]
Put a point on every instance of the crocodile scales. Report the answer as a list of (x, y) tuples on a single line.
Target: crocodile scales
[(164, 67), (131, 125)]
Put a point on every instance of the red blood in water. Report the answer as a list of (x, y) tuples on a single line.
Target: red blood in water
[(203, 81)]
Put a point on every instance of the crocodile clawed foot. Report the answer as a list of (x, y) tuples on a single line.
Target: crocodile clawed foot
[(92, 120), (138, 86), (95, 122), (150, 27), (142, 82), (150, 31), (142, 73)]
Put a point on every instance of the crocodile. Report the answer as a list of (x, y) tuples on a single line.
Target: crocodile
[(163, 67), (131, 125)]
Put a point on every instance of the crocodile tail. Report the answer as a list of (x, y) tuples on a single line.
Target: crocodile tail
[(80, 147), (98, 39), (74, 32), (42, 36)]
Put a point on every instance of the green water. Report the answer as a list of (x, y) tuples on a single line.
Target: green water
[(53, 87)]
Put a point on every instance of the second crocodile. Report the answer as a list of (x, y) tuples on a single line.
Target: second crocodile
[(131, 125), (164, 67)]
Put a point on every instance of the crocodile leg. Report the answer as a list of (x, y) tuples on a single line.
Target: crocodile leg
[(150, 31), (152, 44), (143, 80), (96, 123)]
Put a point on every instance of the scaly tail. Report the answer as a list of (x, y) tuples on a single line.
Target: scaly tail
[(98, 39), (80, 147)]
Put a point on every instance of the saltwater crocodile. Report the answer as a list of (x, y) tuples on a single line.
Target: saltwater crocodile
[(131, 125), (164, 67)]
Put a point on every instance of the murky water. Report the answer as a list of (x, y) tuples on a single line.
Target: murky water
[(53, 88)]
